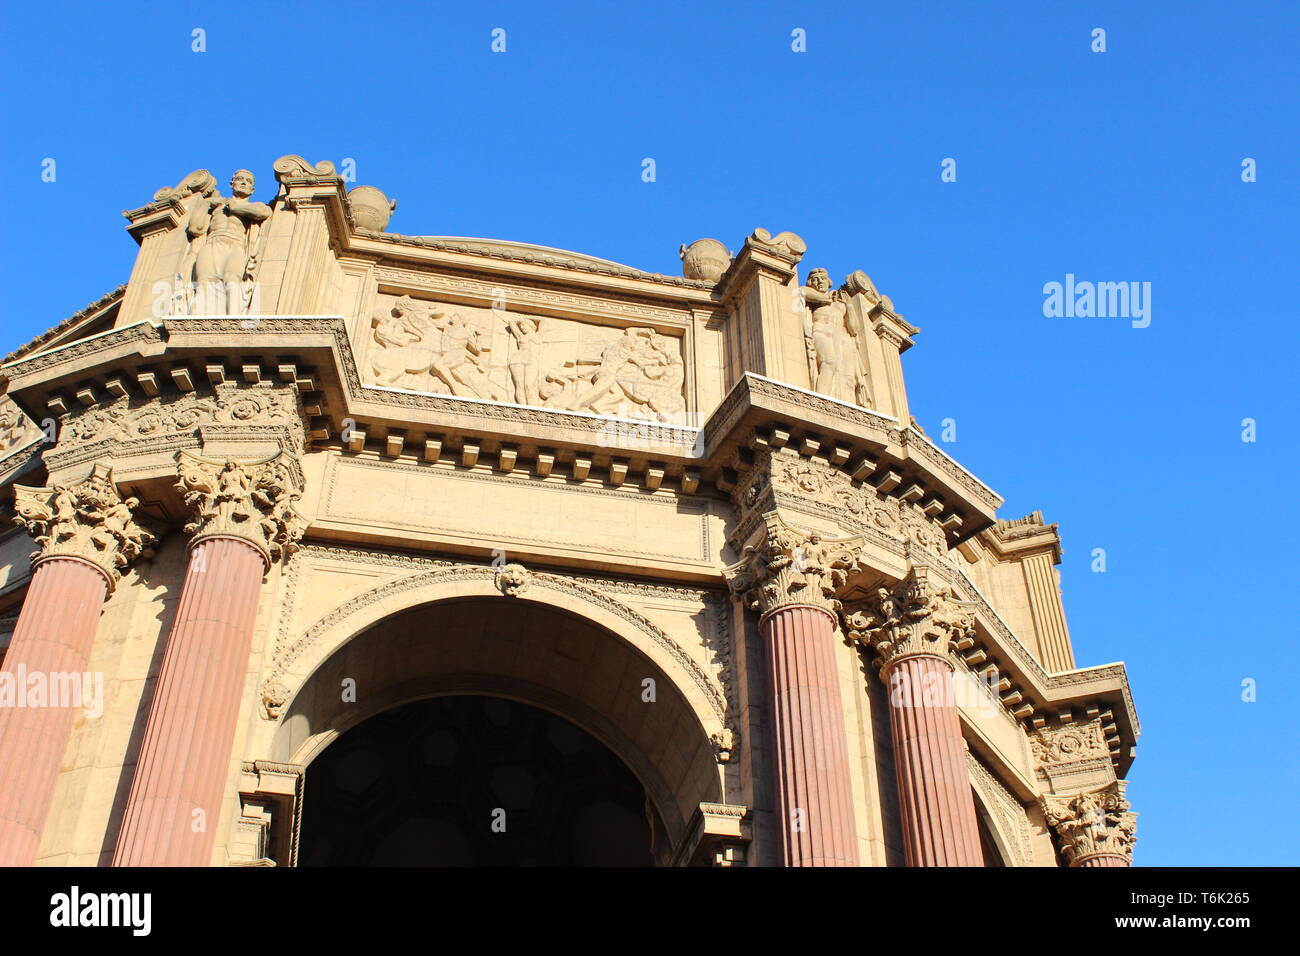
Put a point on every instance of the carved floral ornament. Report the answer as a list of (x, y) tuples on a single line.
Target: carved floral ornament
[(252, 501), (915, 617), (87, 520), (816, 482), (791, 567), (233, 405), (1095, 823), (1068, 744)]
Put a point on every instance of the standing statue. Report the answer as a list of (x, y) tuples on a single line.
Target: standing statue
[(831, 340), (222, 255)]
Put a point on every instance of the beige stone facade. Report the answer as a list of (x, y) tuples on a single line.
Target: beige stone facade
[(474, 467)]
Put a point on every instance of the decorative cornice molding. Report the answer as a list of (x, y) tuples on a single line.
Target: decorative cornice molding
[(1095, 823), (87, 520), (252, 501), (99, 305)]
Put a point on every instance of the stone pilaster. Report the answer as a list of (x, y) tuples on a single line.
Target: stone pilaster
[(86, 534), (914, 629), (791, 579), (1094, 828), (244, 521)]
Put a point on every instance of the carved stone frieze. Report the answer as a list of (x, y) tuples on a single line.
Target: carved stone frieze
[(788, 567), (496, 355), (918, 616), (252, 501), (784, 479), (87, 519), (16, 429), (1068, 744), (1094, 823), (130, 426)]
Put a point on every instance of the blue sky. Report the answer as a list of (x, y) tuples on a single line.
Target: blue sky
[(1115, 166)]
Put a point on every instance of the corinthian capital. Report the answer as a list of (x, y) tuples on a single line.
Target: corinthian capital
[(87, 520), (1095, 823), (918, 616), (252, 501), (787, 567)]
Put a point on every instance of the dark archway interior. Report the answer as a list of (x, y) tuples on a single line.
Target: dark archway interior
[(471, 781)]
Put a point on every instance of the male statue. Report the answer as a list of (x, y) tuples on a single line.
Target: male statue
[(223, 234)]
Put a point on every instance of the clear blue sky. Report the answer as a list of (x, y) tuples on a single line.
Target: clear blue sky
[(1115, 166)]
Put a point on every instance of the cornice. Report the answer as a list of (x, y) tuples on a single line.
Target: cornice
[(99, 305)]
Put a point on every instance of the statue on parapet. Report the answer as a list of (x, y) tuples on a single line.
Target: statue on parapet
[(222, 257)]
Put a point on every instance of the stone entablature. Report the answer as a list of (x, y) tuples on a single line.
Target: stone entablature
[(735, 439)]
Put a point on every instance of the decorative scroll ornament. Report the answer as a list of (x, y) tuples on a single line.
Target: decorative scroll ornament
[(1096, 823), (916, 617), (87, 520), (252, 501), (512, 579), (788, 567)]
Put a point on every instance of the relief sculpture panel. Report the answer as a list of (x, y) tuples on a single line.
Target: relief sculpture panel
[(503, 356)]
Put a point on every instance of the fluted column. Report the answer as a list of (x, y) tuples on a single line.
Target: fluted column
[(1094, 828), (791, 578), (86, 534), (245, 522), (913, 629), (937, 807)]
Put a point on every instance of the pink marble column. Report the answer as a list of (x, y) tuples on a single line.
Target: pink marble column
[(934, 791), (185, 757), (1105, 859), (55, 631), (814, 799)]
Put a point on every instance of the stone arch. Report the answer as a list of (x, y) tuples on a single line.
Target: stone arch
[(451, 631), (1001, 816)]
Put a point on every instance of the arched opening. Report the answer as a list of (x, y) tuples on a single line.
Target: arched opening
[(523, 674), (472, 781)]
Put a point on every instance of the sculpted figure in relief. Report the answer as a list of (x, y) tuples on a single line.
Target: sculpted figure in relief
[(223, 237), (640, 375), (435, 349), (831, 341)]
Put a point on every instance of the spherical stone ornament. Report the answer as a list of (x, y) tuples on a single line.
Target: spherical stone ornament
[(705, 259), (371, 209)]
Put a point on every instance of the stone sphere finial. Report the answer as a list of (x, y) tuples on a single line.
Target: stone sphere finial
[(705, 259)]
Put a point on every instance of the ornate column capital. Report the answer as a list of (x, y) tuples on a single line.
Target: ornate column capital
[(917, 617), (87, 520), (252, 501), (1094, 823), (790, 567)]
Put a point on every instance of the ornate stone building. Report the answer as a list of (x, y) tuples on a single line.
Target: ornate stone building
[(330, 545)]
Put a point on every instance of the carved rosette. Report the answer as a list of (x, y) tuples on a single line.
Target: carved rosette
[(253, 501), (916, 617), (1091, 824), (791, 567), (88, 520)]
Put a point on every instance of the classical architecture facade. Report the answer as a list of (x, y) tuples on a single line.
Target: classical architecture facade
[(329, 545)]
